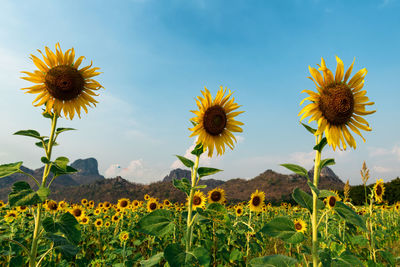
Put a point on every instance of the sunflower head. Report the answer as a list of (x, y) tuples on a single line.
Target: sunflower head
[(84, 201), (2, 204), (397, 206), (338, 105), (98, 223), (379, 190), (10, 216), (152, 205), (217, 195), (52, 205), (214, 121), (330, 201), (199, 200), (60, 84), (146, 197), (84, 220), (256, 202), (123, 203), (123, 236), (77, 212), (300, 225), (239, 210)]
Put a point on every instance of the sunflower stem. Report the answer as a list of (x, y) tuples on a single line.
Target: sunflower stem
[(314, 218), (46, 171), (190, 221)]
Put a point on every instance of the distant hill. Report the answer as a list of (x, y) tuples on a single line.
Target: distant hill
[(88, 183)]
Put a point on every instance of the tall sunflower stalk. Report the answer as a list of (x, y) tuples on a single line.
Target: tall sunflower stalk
[(61, 87), (213, 124), (337, 106)]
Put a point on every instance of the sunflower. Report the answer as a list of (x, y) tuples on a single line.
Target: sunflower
[(330, 201), (107, 205), (84, 220), (146, 197), (91, 203), (98, 223), (152, 205), (22, 208), (107, 224), (239, 210), (256, 202), (338, 105), (2, 204), (123, 203), (215, 121), (60, 85), (97, 211), (116, 217), (77, 212), (84, 201), (52, 205), (135, 203), (123, 236), (397, 206), (217, 195), (199, 200), (10, 216), (379, 190), (300, 225), (167, 203)]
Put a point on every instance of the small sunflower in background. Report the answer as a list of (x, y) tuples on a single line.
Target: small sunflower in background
[(124, 236), (239, 210), (214, 121), (10, 216), (338, 105), (78, 212), (300, 225), (167, 203), (51, 205), (60, 84), (146, 197), (330, 201), (116, 217), (379, 190), (256, 202), (397, 206), (217, 195), (199, 200), (152, 205), (123, 203), (2, 204), (84, 220), (84, 201), (98, 223)]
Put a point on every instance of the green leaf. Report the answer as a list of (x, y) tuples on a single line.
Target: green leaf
[(46, 142), (61, 167), (185, 161), (30, 133), (297, 169), (157, 223), (347, 259), (22, 195), (62, 162), (201, 186), (305, 200), (273, 261), (153, 260), (176, 256), (62, 245), (204, 171), (47, 115), (283, 228), (49, 225), (8, 169), (43, 192), (321, 145), (45, 160), (70, 227), (183, 185), (308, 128), (60, 130), (202, 255), (198, 150), (326, 162), (349, 215), (313, 188)]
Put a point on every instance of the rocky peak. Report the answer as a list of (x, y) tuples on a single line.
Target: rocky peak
[(326, 173), (177, 174), (86, 166)]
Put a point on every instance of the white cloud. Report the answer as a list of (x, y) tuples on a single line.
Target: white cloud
[(380, 152), (302, 158), (381, 169), (137, 171)]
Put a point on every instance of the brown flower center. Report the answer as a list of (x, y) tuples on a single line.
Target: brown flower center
[(64, 82), (153, 206), (216, 196), (239, 211), (123, 204), (298, 226), (378, 190), (256, 201), (77, 212), (337, 103), (196, 200), (214, 120), (332, 201), (53, 206)]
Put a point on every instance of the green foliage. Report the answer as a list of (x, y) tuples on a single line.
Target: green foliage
[(157, 223), (22, 195), (8, 169)]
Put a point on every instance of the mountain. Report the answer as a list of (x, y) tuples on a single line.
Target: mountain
[(89, 184)]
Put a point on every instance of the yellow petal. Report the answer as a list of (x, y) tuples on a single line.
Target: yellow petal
[(339, 69)]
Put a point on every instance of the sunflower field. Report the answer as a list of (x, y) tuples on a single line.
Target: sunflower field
[(322, 229)]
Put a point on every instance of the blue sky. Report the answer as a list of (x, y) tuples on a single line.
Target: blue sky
[(156, 56)]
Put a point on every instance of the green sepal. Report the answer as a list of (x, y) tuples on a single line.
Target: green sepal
[(308, 128), (185, 161), (283, 228), (30, 133), (22, 195), (183, 185), (10, 168), (321, 145), (273, 261), (43, 192), (157, 223), (305, 200), (205, 171), (296, 169), (47, 115), (193, 123), (60, 130), (349, 215), (198, 150)]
